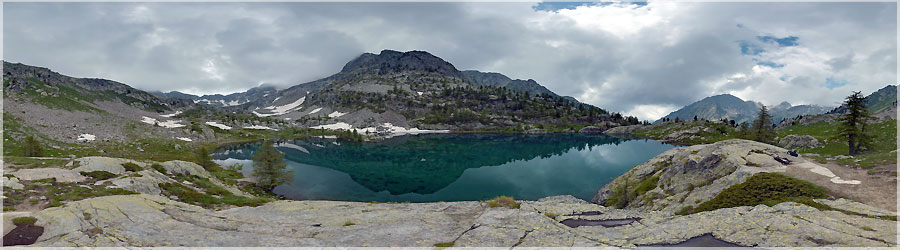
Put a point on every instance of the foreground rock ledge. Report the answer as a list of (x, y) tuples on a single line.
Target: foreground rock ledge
[(148, 220)]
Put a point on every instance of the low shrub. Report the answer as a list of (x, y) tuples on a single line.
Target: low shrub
[(131, 166), (188, 195), (445, 244), (503, 201), (242, 201), (21, 221), (686, 210), (99, 174), (766, 188), (647, 185), (349, 223), (159, 168)]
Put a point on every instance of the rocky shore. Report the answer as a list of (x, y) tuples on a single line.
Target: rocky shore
[(151, 220)]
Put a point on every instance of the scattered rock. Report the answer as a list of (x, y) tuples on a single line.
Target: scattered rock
[(799, 141), (12, 183)]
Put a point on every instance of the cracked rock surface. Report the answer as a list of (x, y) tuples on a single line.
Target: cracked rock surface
[(148, 220)]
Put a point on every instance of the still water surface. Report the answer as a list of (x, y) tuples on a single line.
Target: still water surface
[(452, 167)]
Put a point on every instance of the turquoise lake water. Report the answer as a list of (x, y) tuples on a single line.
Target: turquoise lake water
[(452, 167)]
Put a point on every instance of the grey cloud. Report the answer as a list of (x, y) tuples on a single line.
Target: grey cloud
[(688, 55)]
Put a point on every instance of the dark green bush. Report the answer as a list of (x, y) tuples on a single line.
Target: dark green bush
[(99, 174), (159, 168), (647, 185), (130, 166), (768, 189), (21, 221), (188, 195)]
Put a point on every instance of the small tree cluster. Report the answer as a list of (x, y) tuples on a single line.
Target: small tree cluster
[(32, 147)]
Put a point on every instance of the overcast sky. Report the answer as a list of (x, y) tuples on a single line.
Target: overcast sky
[(641, 59)]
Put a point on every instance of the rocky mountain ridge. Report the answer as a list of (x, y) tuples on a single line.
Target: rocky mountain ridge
[(416, 89), (733, 108)]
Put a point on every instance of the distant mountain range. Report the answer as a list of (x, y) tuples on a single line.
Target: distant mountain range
[(218, 100), (733, 108)]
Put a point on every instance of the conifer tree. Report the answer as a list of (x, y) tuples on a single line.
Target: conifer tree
[(762, 127), (853, 123), (32, 147), (204, 159), (269, 167)]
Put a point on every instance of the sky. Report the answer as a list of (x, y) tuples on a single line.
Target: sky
[(643, 59)]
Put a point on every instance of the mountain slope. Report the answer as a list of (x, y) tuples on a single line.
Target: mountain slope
[(418, 89), (730, 107), (65, 111), (881, 103)]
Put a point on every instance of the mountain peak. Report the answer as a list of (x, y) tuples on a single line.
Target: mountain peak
[(391, 61)]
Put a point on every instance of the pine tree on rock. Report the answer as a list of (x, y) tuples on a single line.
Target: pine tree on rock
[(853, 123), (269, 167)]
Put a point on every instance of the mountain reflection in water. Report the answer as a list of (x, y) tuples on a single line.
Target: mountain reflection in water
[(451, 167)]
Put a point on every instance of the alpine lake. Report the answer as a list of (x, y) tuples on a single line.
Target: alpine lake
[(450, 167)]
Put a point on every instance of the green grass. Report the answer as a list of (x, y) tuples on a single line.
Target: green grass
[(503, 201), (21, 221), (74, 193), (56, 192), (883, 143), (765, 188), (716, 132), (191, 196), (19, 162)]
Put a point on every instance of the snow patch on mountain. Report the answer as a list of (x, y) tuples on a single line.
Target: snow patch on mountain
[(86, 137), (336, 114), (221, 126)]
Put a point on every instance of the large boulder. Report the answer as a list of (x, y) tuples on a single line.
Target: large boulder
[(625, 130), (799, 141), (99, 163), (61, 175), (691, 175)]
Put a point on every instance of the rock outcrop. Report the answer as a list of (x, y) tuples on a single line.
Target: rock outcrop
[(691, 175), (590, 130), (799, 141), (147, 220)]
